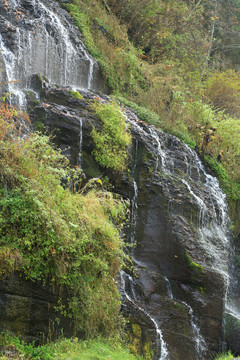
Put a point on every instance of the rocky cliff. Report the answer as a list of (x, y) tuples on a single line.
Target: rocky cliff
[(179, 223), (175, 296)]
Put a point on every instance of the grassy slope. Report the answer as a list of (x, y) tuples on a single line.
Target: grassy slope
[(66, 349)]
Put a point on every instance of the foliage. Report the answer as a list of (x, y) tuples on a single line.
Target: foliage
[(107, 41), (166, 30), (12, 123), (222, 89), (227, 356), (70, 349), (142, 112), (112, 141), (194, 266), (47, 232), (75, 94), (228, 139)]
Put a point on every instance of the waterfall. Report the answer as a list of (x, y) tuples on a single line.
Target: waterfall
[(210, 202), (169, 288), (213, 217), (159, 152), (200, 344), (162, 347), (160, 341), (44, 42), (134, 205), (80, 141)]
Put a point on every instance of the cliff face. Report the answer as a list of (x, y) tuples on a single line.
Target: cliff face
[(179, 223), (175, 297), (28, 309)]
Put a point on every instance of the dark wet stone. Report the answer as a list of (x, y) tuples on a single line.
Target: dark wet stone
[(27, 309)]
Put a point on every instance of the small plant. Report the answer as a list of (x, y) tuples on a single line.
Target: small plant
[(193, 265), (75, 94), (227, 356), (223, 91)]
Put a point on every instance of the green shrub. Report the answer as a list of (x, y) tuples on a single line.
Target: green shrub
[(112, 141), (223, 91), (47, 232), (227, 356)]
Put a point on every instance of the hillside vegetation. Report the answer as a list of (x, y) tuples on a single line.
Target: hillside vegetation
[(64, 349), (178, 59), (53, 229)]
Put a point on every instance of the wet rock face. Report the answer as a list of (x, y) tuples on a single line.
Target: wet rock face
[(27, 309), (179, 224), (40, 37), (178, 234)]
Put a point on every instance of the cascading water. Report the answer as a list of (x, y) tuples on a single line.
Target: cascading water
[(44, 42), (80, 141), (200, 344), (210, 204), (161, 345)]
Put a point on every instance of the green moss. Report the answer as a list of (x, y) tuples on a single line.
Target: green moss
[(184, 137), (42, 78), (45, 79), (227, 356), (193, 265), (75, 94), (137, 331), (202, 290), (147, 350)]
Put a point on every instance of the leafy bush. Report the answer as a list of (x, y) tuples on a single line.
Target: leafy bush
[(223, 91), (112, 141), (47, 232), (227, 140)]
